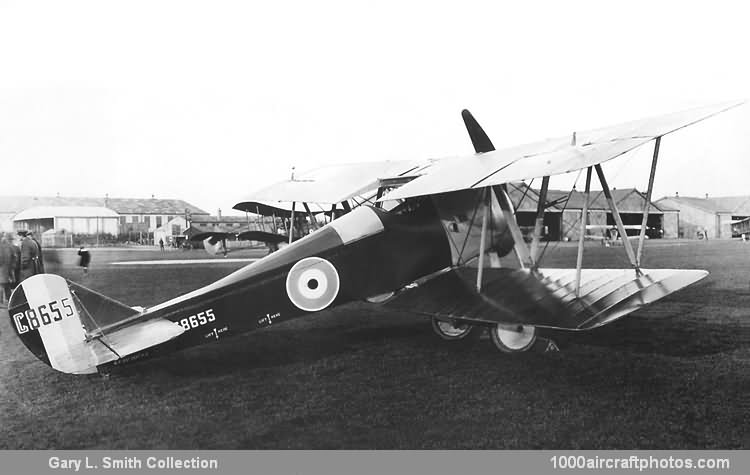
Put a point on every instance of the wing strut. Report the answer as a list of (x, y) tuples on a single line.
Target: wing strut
[(584, 219), (647, 204), (483, 237), (506, 205), (333, 212), (262, 221), (313, 221), (540, 207), (618, 219), (291, 223)]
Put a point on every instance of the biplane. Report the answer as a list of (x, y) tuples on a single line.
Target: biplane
[(741, 228), (257, 230), (285, 225), (215, 242), (428, 241)]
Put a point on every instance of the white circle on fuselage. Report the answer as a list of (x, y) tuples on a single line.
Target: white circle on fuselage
[(312, 284)]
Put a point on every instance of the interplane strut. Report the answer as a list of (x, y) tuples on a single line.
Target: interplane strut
[(647, 204), (538, 225), (618, 219), (501, 191), (582, 237)]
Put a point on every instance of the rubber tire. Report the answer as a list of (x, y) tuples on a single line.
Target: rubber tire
[(521, 346), (439, 330)]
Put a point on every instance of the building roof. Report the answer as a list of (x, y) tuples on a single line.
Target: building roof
[(628, 200), (45, 212), (666, 206), (738, 205), (14, 204)]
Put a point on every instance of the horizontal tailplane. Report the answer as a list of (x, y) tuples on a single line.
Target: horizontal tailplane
[(74, 329)]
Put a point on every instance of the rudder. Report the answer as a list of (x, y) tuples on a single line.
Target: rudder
[(46, 319), (74, 329)]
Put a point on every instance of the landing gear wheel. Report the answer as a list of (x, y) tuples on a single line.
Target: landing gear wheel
[(513, 338), (450, 329)]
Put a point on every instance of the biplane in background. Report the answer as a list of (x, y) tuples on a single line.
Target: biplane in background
[(298, 214), (429, 243), (741, 229), (273, 226), (609, 234)]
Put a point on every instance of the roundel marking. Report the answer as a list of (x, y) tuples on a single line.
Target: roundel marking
[(312, 284)]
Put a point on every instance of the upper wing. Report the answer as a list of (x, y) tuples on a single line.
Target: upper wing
[(330, 184), (548, 157), (279, 209)]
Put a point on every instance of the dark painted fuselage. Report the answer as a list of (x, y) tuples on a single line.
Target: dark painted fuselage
[(373, 252)]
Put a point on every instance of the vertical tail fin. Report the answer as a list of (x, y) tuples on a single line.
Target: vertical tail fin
[(58, 323), (47, 321)]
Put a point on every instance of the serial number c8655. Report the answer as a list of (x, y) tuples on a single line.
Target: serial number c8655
[(199, 319)]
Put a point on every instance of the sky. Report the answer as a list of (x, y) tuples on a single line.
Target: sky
[(206, 101)]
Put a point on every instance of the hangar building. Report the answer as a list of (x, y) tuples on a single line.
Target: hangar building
[(565, 208), (71, 219), (714, 216), (57, 224), (135, 215)]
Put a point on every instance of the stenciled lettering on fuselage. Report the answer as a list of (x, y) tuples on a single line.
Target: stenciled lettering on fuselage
[(43, 315), (197, 320), (214, 333), (133, 357), (268, 319)]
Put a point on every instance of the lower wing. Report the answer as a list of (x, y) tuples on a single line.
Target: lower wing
[(544, 298), (262, 236)]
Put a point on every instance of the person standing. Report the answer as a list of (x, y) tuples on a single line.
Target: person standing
[(40, 262), (161, 244), (6, 269), (15, 246), (29, 258), (85, 259)]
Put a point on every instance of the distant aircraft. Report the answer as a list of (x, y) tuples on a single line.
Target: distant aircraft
[(611, 235), (429, 243), (741, 228), (215, 242)]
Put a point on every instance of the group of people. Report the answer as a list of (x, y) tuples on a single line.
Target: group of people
[(20, 258)]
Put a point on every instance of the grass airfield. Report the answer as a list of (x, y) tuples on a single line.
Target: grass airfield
[(675, 375)]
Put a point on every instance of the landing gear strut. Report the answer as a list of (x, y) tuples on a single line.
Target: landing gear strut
[(513, 338), (451, 329)]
